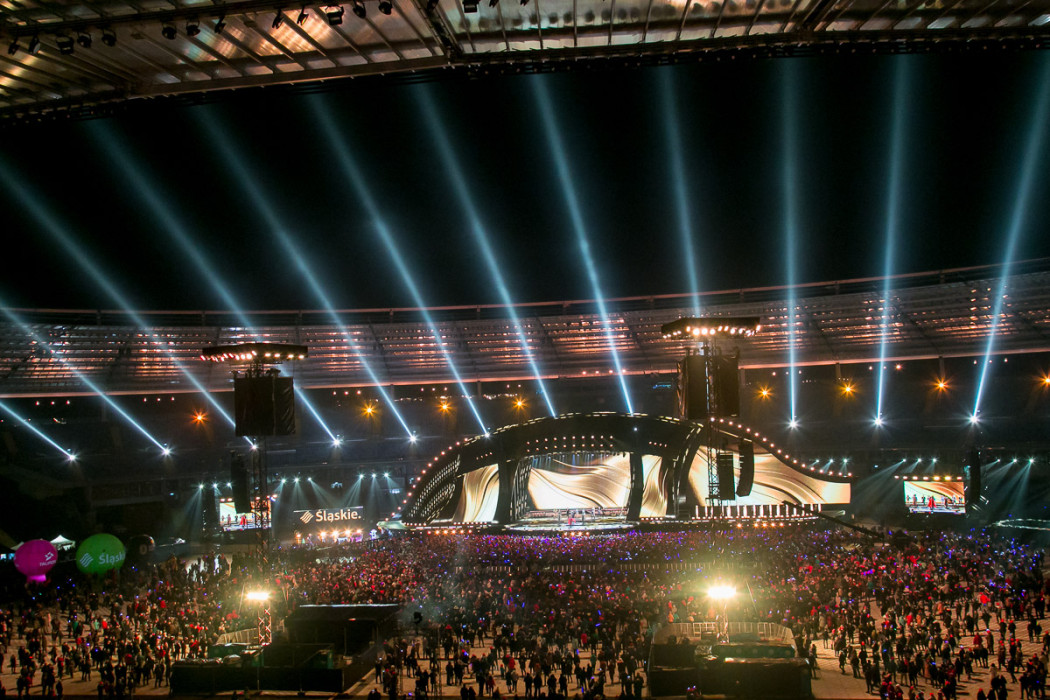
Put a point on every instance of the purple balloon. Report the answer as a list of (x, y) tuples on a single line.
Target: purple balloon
[(35, 558)]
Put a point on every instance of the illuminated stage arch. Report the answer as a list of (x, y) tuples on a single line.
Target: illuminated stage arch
[(611, 467)]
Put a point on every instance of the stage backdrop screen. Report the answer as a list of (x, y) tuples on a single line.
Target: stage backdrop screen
[(479, 496), (935, 497), (579, 480)]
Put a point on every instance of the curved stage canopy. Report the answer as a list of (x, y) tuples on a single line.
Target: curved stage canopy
[(610, 468)]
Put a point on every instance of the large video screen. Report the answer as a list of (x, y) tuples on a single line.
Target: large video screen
[(479, 497), (571, 481), (230, 519), (775, 482), (654, 494), (935, 497)]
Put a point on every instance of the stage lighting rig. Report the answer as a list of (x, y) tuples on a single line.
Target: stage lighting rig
[(334, 14), (255, 353), (712, 327)]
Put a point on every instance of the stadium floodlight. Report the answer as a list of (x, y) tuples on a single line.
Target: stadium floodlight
[(1032, 157), (264, 207), (579, 226), (899, 107), (454, 172), (39, 433), (712, 327)]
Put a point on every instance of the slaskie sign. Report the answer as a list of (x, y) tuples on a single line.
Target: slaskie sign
[(322, 518)]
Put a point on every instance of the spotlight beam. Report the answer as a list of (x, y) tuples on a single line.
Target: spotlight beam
[(68, 454), (453, 169), (140, 183), (790, 175), (1018, 219), (673, 128), (58, 231), (357, 180), (561, 162), (893, 194), (221, 140), (42, 341)]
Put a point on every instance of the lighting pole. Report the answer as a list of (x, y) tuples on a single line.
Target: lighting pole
[(724, 594)]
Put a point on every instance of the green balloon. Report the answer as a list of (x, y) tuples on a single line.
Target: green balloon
[(100, 553)]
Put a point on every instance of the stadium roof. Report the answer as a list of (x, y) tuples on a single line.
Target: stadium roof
[(942, 314), (71, 57)]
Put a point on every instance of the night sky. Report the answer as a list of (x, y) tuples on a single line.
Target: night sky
[(968, 121)]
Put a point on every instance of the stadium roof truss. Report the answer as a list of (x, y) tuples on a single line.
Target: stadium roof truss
[(73, 57), (934, 315)]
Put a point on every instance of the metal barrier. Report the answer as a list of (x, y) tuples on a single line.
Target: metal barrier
[(245, 636), (764, 630)]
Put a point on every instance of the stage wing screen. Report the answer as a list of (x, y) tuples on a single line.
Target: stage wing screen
[(654, 494), (480, 494), (230, 519), (936, 497), (774, 482), (559, 482)]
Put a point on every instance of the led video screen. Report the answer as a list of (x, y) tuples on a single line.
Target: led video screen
[(230, 519), (479, 496), (654, 492), (775, 482), (572, 481), (935, 497)]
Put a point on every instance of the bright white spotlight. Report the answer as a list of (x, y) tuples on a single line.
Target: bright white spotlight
[(878, 421), (254, 447), (72, 458), (721, 592), (284, 481), (296, 480), (373, 475), (974, 419), (386, 475), (412, 437), (257, 596), (793, 424), (166, 451), (337, 442)]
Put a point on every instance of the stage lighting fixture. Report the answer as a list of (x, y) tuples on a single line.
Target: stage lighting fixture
[(712, 327), (411, 438), (493, 3), (359, 8), (386, 6), (878, 421), (34, 45), (470, 5), (337, 442), (334, 15), (168, 31), (12, 48), (166, 451), (302, 17), (84, 39), (220, 24), (296, 480), (193, 27), (263, 353), (109, 37), (277, 19), (432, 5), (793, 424)]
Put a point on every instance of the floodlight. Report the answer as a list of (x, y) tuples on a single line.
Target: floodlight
[(193, 26), (84, 39), (334, 15), (257, 596), (359, 8), (745, 326), (721, 592), (109, 37), (386, 6), (168, 31), (64, 43)]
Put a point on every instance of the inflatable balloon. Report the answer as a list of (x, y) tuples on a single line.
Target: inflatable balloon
[(99, 554), (35, 558)]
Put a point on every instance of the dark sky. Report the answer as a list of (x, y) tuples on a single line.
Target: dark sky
[(968, 122)]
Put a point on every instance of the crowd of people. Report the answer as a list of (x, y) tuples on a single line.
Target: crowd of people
[(557, 617)]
